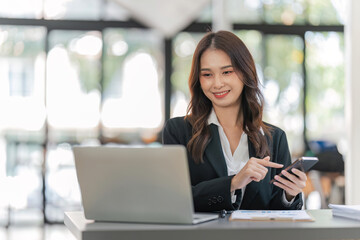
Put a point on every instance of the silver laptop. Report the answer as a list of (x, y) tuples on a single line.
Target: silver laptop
[(136, 184)]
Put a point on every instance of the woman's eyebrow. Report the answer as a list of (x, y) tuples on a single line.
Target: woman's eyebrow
[(227, 66), (224, 67)]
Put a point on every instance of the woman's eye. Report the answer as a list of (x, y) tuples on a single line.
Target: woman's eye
[(206, 74), (227, 72)]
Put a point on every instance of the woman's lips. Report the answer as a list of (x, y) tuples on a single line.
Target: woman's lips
[(221, 94)]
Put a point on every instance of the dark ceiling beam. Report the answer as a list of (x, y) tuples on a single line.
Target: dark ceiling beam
[(71, 24), (269, 28)]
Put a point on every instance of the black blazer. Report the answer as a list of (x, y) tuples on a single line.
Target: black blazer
[(210, 180)]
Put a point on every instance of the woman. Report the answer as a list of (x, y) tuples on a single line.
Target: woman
[(232, 153)]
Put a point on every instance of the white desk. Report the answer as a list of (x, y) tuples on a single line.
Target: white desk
[(325, 227)]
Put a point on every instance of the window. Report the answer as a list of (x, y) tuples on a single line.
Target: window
[(133, 97), (326, 87), (73, 76), (108, 84), (283, 87), (183, 49), (22, 64)]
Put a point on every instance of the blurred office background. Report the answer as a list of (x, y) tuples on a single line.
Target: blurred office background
[(93, 72)]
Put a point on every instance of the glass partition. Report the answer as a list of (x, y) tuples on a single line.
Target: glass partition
[(287, 12), (22, 134), (326, 87), (133, 88), (184, 45), (326, 12), (73, 9), (73, 112), (283, 87), (73, 91), (21, 9), (245, 11)]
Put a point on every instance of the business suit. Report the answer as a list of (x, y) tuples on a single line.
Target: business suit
[(210, 180)]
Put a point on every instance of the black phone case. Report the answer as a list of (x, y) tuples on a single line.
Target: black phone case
[(303, 164)]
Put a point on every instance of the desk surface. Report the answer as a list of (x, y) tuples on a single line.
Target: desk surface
[(325, 227)]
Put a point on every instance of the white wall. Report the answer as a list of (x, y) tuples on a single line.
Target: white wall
[(352, 109)]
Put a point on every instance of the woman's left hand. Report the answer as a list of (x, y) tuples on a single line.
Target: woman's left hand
[(293, 186)]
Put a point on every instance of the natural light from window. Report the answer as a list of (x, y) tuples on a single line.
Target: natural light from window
[(67, 105), (140, 103)]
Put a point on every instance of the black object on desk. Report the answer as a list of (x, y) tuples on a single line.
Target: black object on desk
[(222, 213)]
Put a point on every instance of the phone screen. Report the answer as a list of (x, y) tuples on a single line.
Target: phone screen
[(303, 164)]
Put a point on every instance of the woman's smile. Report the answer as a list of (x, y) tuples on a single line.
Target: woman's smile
[(221, 94)]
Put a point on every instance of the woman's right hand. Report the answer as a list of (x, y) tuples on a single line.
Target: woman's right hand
[(254, 170)]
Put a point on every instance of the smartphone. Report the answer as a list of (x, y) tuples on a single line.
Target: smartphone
[(303, 164)]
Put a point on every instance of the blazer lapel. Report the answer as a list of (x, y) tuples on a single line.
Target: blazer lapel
[(214, 153), (253, 187)]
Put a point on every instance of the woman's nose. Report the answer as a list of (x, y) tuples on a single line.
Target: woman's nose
[(218, 82)]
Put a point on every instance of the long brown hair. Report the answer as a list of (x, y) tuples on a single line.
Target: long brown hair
[(252, 100)]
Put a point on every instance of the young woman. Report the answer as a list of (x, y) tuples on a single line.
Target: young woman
[(232, 153)]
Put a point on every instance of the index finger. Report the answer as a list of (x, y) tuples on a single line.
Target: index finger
[(271, 164)]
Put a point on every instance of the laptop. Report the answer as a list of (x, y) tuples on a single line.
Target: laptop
[(136, 184)]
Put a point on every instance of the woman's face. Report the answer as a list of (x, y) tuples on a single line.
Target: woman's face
[(218, 79)]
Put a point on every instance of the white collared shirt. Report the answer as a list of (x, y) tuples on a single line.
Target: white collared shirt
[(236, 162)]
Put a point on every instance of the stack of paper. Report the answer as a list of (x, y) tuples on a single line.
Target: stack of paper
[(348, 211), (274, 215)]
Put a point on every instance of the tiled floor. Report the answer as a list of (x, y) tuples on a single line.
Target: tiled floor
[(47, 232)]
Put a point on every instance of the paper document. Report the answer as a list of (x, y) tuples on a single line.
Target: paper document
[(348, 211), (274, 215)]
